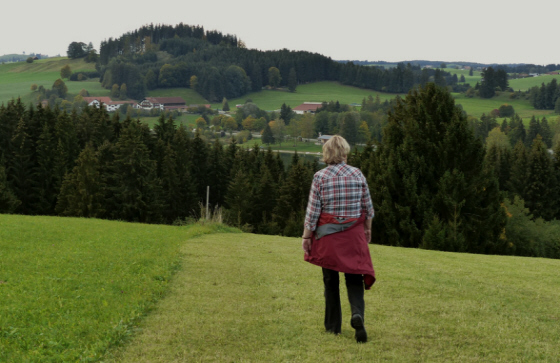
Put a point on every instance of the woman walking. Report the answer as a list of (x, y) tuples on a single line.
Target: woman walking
[(336, 234)]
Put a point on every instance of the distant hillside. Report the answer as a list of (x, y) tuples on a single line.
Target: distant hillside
[(6, 58), (218, 65), (508, 67)]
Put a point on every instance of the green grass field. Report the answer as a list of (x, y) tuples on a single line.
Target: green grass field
[(17, 78), (73, 288), (271, 100), (523, 84)]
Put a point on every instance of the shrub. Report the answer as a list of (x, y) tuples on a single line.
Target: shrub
[(506, 110), (29, 60)]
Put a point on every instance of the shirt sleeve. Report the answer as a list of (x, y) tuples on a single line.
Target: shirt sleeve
[(366, 202), (313, 205)]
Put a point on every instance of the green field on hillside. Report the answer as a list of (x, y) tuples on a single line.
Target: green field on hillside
[(523, 84), (271, 100), (16, 79), (72, 288), (477, 106)]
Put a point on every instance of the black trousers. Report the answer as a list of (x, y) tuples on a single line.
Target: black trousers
[(333, 311)]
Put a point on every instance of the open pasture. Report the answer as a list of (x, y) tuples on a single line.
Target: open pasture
[(524, 84)]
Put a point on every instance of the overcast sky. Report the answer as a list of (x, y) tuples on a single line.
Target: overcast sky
[(490, 31)]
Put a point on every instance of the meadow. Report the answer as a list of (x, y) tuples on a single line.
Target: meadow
[(17, 78), (92, 290)]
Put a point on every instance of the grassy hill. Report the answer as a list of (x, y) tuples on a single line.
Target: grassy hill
[(17, 78), (77, 289)]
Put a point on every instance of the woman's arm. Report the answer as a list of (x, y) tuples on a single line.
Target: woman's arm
[(306, 240), (367, 229)]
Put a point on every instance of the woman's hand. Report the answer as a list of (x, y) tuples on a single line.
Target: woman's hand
[(368, 235), (306, 245)]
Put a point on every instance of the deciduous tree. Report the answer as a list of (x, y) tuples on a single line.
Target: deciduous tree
[(274, 77), (65, 72)]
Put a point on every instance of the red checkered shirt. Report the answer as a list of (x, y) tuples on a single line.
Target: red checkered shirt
[(340, 190)]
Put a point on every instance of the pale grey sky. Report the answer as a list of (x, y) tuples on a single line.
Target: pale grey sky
[(490, 31)]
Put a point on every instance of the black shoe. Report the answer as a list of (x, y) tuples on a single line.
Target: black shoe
[(357, 323)]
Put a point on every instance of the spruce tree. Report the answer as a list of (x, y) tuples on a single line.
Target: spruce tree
[(517, 131), (21, 169), (292, 80), (217, 174), (267, 136), (82, 190), (238, 199), (45, 182), (137, 190), (540, 190), (8, 200), (519, 170), (534, 130), (430, 167), (199, 166)]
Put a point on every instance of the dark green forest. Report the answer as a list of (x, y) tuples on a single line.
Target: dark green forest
[(162, 56), (438, 180)]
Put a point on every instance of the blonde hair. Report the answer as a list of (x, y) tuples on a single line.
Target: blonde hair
[(335, 150)]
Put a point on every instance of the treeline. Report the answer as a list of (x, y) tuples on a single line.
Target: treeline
[(93, 165), (165, 56)]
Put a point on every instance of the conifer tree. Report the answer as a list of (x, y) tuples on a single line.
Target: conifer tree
[(546, 133), (68, 147), (267, 136), (21, 169), (188, 197), (217, 174), (238, 199), (8, 200), (137, 190), (45, 182), (292, 80), (172, 192), (534, 130), (292, 196), (519, 170), (517, 130), (431, 167), (81, 194), (225, 105), (540, 190), (199, 167), (263, 201)]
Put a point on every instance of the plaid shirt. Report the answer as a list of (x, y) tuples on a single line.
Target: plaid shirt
[(340, 190)]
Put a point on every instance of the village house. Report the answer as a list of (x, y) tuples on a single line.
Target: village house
[(109, 104), (324, 138), (163, 103), (307, 107), (97, 101)]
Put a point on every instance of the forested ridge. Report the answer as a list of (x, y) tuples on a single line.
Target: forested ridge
[(162, 56)]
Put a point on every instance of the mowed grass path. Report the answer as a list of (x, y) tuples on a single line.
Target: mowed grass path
[(252, 298)]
